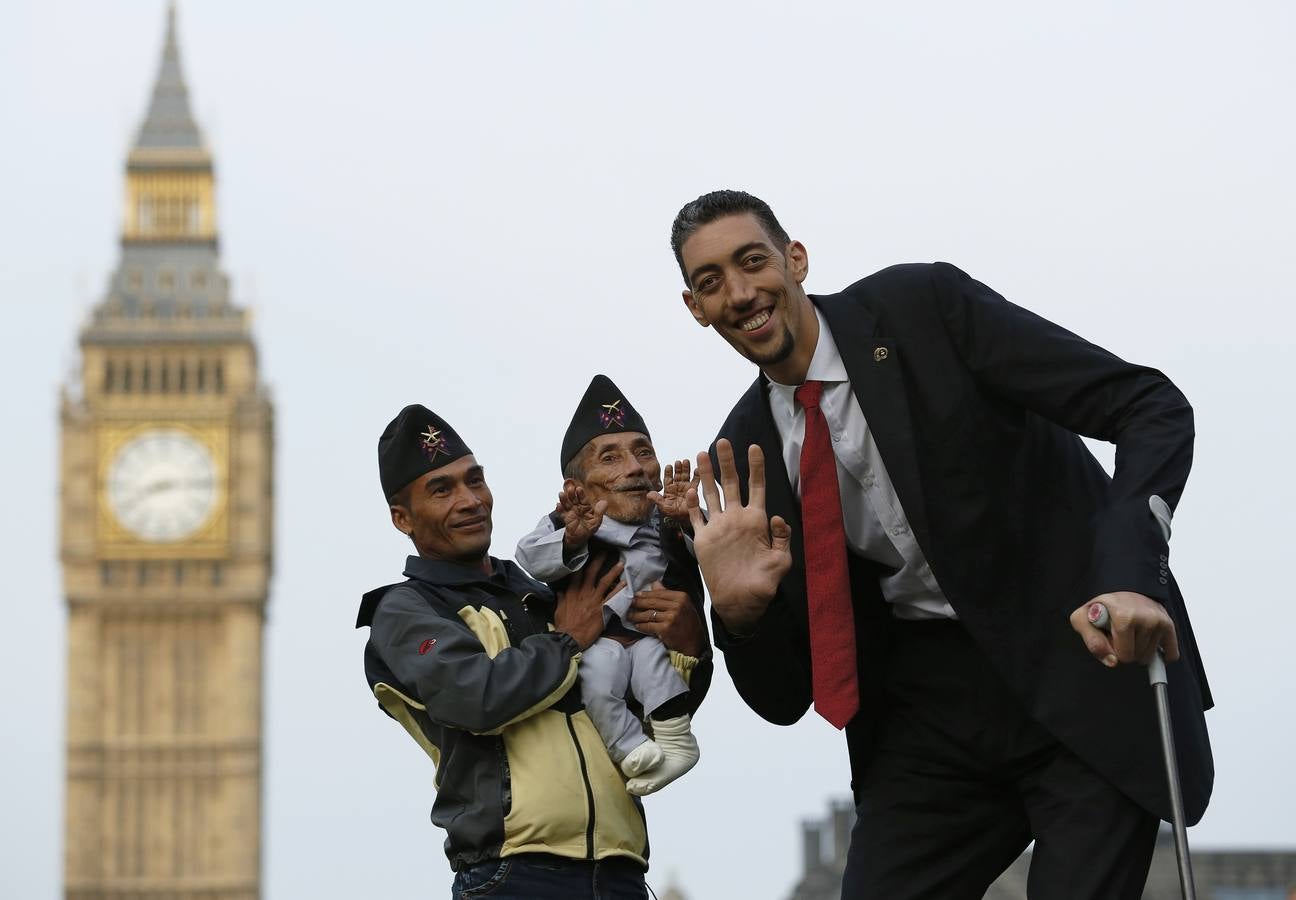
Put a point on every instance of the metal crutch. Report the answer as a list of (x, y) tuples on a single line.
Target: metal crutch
[(1099, 618)]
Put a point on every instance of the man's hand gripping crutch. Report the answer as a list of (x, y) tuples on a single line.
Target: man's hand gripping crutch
[(1126, 627)]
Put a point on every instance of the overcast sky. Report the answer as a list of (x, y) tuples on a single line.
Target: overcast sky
[(467, 205)]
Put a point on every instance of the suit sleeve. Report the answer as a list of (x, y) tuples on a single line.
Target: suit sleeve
[(682, 575), (771, 666), (461, 684), (1042, 367)]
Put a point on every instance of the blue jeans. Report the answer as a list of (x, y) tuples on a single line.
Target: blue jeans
[(539, 876)]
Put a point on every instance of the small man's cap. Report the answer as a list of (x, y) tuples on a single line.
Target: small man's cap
[(603, 410), (415, 442)]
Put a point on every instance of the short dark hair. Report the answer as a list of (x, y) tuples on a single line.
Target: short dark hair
[(717, 205)]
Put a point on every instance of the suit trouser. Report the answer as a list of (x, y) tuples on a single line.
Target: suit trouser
[(962, 779)]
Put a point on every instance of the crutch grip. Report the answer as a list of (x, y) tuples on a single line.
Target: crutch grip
[(1101, 619)]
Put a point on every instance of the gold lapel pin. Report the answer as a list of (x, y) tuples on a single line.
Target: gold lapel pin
[(880, 354)]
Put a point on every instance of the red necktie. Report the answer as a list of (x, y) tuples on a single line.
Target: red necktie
[(832, 622)]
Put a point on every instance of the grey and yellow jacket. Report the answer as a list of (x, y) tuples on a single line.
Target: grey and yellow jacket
[(469, 665)]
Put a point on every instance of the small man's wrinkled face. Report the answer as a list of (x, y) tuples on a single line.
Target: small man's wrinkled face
[(747, 288), (621, 469), (447, 512)]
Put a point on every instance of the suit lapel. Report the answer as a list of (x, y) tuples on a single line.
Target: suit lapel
[(873, 364)]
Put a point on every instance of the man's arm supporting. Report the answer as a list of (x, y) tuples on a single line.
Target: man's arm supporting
[(1029, 361), (462, 684), (744, 556)]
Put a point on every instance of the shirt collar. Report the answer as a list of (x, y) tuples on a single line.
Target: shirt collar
[(622, 534)]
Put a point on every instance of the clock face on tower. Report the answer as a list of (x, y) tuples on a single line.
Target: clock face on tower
[(162, 485)]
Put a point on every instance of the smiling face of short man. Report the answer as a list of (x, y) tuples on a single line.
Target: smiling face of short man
[(620, 468), (447, 512)]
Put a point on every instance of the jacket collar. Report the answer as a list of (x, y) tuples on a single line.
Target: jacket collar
[(449, 574)]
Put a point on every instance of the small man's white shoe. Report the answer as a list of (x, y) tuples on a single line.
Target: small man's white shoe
[(679, 754), (641, 758)]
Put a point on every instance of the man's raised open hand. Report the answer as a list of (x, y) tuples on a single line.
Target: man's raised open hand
[(673, 498), (743, 554), (580, 519)]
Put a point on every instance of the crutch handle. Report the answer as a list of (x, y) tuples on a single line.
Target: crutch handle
[(1101, 619)]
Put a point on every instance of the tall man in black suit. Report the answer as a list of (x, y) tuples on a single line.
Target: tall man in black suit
[(938, 531)]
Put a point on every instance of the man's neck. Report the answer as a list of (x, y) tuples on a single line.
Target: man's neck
[(793, 369)]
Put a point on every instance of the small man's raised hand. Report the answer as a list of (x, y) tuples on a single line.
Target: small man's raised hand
[(743, 554), (673, 499), (580, 519)]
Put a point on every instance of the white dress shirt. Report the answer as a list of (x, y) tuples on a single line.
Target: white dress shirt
[(876, 526)]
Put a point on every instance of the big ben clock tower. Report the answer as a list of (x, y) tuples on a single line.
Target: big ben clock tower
[(166, 546)]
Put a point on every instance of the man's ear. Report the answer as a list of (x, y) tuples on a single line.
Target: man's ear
[(401, 519), (798, 261), (696, 309)]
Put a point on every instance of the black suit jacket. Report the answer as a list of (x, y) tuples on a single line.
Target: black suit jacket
[(975, 405)]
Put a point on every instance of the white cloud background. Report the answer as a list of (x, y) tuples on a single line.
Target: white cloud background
[(467, 205)]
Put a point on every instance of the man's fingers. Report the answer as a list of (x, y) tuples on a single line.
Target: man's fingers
[(755, 477), (694, 511), (780, 535), (709, 491), (728, 474), (1095, 639), (1123, 640), (682, 469), (1170, 642), (603, 588)]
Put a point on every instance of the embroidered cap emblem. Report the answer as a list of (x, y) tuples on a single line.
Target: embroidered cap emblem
[(427, 645), (433, 442), (612, 414), (880, 354)]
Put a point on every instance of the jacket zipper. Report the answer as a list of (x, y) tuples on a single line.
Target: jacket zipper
[(589, 791)]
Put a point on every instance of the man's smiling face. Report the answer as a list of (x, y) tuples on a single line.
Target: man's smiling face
[(750, 291)]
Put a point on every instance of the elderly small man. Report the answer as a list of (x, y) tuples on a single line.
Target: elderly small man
[(654, 650), (479, 664)]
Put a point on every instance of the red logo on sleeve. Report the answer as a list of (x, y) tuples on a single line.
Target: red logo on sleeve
[(427, 645)]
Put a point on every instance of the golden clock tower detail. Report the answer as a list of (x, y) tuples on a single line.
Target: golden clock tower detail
[(166, 546)]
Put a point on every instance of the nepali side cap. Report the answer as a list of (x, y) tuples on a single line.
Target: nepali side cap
[(416, 441), (603, 410)]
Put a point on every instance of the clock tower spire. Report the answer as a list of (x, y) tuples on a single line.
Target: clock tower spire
[(165, 544)]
